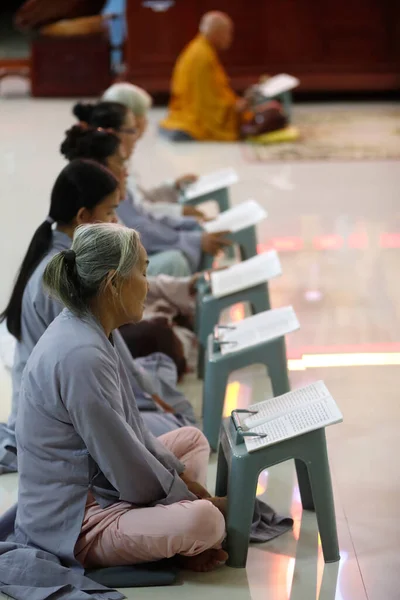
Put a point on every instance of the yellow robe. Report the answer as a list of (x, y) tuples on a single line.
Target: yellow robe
[(202, 102)]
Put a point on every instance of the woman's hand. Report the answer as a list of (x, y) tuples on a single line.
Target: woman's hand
[(166, 407), (196, 488), (185, 180), (192, 211), (212, 243)]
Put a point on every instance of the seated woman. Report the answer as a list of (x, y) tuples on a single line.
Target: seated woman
[(175, 245), (163, 199), (96, 488), (84, 192), (169, 297)]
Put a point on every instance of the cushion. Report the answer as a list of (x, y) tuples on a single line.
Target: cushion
[(288, 134), (144, 575)]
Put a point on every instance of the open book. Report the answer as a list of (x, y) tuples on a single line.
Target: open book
[(263, 327), (211, 182), (277, 85), (306, 409), (246, 274), (237, 218)]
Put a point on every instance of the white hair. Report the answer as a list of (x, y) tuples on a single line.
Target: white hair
[(75, 276), (131, 96)]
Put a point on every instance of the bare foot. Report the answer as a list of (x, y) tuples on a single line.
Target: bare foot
[(220, 503), (206, 561)]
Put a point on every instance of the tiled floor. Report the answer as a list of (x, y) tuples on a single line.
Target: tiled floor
[(347, 301)]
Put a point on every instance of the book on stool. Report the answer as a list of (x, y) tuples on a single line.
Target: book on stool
[(211, 182), (242, 216), (248, 273), (257, 329), (283, 417)]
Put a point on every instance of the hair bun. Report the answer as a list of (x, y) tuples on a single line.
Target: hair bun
[(83, 112)]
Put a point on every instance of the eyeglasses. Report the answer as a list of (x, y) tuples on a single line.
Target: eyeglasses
[(130, 130)]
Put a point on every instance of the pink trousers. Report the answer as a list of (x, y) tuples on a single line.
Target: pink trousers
[(122, 535)]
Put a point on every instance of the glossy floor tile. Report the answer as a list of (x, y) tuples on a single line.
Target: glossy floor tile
[(337, 229)]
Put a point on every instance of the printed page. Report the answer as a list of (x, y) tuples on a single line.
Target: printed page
[(248, 273), (315, 416), (239, 217), (278, 84), (211, 182), (281, 405), (265, 326)]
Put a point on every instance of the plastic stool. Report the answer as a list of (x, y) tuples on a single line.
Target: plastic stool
[(209, 308), (221, 197), (237, 477), (246, 239), (219, 366)]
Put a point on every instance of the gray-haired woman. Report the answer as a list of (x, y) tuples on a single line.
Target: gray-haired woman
[(96, 488)]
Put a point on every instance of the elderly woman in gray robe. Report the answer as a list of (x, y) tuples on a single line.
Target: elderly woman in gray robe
[(96, 488)]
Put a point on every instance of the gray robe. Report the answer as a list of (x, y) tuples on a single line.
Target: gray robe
[(38, 311), (79, 429), (164, 233)]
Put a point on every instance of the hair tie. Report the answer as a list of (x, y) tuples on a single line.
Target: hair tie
[(49, 220), (69, 257), (103, 130)]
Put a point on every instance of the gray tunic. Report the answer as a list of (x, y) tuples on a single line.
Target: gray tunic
[(38, 311), (79, 429), (164, 233)]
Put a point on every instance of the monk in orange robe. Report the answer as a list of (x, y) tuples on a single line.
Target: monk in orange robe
[(203, 105)]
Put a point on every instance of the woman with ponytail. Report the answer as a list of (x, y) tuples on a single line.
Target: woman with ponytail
[(84, 192), (175, 245), (96, 488)]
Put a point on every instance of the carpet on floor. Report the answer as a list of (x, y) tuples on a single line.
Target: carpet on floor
[(337, 134)]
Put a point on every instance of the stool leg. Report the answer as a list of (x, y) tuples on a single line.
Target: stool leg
[(223, 205), (248, 248), (200, 361), (260, 303), (221, 485), (214, 388), (242, 484), (321, 486), (276, 363), (206, 262), (223, 200), (303, 479)]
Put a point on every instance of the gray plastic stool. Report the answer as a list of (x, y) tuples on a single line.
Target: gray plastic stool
[(221, 197), (246, 239), (219, 366), (237, 477), (209, 308)]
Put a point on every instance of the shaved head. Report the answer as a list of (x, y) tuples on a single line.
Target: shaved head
[(217, 27)]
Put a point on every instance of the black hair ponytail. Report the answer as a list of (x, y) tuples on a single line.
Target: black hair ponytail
[(81, 184), (38, 248)]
